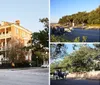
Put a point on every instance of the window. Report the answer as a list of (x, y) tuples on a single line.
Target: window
[(16, 30), (23, 34), (6, 32)]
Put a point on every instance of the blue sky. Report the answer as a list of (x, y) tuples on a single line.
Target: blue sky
[(70, 47), (59, 8), (27, 11)]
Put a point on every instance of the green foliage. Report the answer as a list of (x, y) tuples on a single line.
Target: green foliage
[(63, 39), (92, 17), (77, 39), (84, 38), (39, 42), (52, 66), (81, 60), (42, 37), (45, 21), (58, 39)]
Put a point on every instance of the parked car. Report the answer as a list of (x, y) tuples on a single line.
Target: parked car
[(45, 66)]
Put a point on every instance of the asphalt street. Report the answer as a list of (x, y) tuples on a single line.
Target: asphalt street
[(31, 76), (74, 82)]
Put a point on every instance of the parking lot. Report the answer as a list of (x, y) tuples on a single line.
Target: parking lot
[(26, 76)]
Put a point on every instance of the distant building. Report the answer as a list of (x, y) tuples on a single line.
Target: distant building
[(13, 30)]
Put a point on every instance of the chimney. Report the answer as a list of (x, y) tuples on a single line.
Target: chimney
[(17, 22)]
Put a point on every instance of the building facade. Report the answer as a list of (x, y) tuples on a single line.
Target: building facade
[(8, 31)]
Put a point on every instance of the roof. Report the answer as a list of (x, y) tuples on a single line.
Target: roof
[(9, 24), (23, 27)]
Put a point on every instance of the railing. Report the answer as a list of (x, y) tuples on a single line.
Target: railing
[(2, 36)]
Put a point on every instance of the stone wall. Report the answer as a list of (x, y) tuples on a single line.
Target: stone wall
[(85, 75)]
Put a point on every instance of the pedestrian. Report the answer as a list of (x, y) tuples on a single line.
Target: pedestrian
[(13, 65)]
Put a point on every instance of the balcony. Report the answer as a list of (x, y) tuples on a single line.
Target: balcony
[(3, 36)]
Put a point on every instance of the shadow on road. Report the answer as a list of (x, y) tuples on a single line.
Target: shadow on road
[(74, 82)]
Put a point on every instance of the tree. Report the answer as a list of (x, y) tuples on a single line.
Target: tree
[(40, 42), (92, 17), (85, 58), (44, 34), (15, 51), (57, 50), (42, 37), (54, 38)]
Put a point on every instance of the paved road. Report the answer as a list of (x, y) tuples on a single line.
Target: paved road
[(74, 82), (32, 76)]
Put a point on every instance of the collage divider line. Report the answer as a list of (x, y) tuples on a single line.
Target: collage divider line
[(49, 40)]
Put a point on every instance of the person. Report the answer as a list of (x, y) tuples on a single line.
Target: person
[(55, 74), (13, 65), (60, 74)]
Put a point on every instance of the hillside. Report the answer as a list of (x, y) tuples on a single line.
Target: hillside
[(88, 18)]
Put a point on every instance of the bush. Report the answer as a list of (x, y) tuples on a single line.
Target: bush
[(23, 64), (6, 65), (16, 65), (58, 39)]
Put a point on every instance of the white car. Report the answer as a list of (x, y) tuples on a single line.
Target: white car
[(45, 66)]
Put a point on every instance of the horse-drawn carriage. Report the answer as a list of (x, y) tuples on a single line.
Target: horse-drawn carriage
[(59, 74)]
